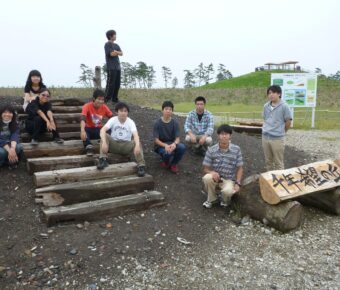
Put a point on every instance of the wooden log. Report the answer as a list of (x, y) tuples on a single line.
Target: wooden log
[(283, 217), (46, 178), (253, 124), (328, 201), (43, 149), (93, 210), (61, 101), (280, 185), (62, 127), (59, 117), (64, 162), (25, 137), (247, 129), (55, 109), (63, 194)]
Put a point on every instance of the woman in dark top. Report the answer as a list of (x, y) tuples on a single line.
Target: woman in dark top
[(40, 117), (10, 149), (33, 85)]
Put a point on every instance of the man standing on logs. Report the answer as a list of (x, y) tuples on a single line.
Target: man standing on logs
[(120, 141), (91, 120), (199, 127), (112, 53), (277, 120), (223, 168)]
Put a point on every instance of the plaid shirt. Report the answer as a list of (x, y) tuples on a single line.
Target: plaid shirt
[(206, 126), (224, 162)]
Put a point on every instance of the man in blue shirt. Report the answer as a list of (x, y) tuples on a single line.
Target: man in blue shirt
[(199, 127)]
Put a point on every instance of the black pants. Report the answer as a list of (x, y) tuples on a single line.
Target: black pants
[(37, 127), (112, 85)]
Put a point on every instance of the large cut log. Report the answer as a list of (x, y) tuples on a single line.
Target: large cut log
[(43, 149), (25, 137), (247, 129), (55, 109), (115, 206), (61, 101), (63, 194), (59, 117), (283, 217), (46, 178), (254, 124), (64, 162), (280, 185), (328, 201), (72, 127)]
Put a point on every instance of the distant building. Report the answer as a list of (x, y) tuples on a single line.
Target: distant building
[(287, 65)]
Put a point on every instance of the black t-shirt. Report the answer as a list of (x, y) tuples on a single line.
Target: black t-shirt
[(33, 107), (28, 89), (199, 116), (112, 62), (166, 132)]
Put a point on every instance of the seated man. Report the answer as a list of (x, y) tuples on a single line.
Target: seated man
[(40, 117), (92, 118), (166, 136), (120, 141), (199, 127), (223, 168)]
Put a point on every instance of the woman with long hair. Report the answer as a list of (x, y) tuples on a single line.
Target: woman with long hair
[(33, 85), (10, 148), (40, 117)]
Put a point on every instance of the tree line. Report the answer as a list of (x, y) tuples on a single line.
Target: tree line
[(142, 75)]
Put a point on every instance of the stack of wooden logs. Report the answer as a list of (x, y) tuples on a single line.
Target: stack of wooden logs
[(68, 183)]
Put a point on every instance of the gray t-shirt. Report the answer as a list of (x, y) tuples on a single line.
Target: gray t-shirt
[(275, 119), (166, 132), (112, 62)]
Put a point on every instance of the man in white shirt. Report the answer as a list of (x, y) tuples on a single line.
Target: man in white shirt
[(120, 140)]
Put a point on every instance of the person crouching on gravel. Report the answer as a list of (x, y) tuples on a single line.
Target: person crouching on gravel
[(120, 141), (40, 117), (223, 169), (199, 127), (166, 137), (91, 120), (10, 149)]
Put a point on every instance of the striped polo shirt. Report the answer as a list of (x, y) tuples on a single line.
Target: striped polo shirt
[(225, 162)]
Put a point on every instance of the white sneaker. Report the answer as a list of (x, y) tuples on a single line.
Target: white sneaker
[(224, 204), (208, 204)]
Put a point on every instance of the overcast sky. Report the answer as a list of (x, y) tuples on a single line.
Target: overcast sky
[(55, 37)]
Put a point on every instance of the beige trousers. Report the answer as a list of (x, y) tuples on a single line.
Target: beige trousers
[(211, 187), (273, 153), (122, 148), (208, 141)]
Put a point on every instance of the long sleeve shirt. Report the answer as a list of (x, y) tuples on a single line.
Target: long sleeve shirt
[(197, 127)]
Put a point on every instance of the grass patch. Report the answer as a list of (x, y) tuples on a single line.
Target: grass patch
[(330, 139)]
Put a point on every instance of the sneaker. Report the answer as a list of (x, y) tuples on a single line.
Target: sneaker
[(59, 140), (102, 163), (141, 171), (224, 204), (208, 204), (165, 164), (174, 168), (13, 166), (34, 142), (89, 150)]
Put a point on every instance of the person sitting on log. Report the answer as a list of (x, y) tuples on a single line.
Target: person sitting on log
[(199, 127), (120, 140), (166, 137), (223, 169), (10, 148), (40, 117), (33, 85), (92, 118)]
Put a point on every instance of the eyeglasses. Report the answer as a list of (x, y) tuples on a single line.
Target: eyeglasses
[(45, 95)]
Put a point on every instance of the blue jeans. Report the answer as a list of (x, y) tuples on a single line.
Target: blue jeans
[(91, 134), (176, 155), (4, 154)]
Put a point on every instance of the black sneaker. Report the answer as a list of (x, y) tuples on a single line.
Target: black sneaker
[(102, 163), (59, 140), (141, 171), (34, 142), (89, 150), (12, 166)]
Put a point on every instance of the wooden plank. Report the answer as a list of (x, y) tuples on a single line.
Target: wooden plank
[(62, 127), (284, 217), (59, 117), (94, 210), (55, 109), (247, 129), (63, 194), (253, 124), (61, 101), (73, 161), (25, 137), (277, 186), (46, 178), (43, 149)]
